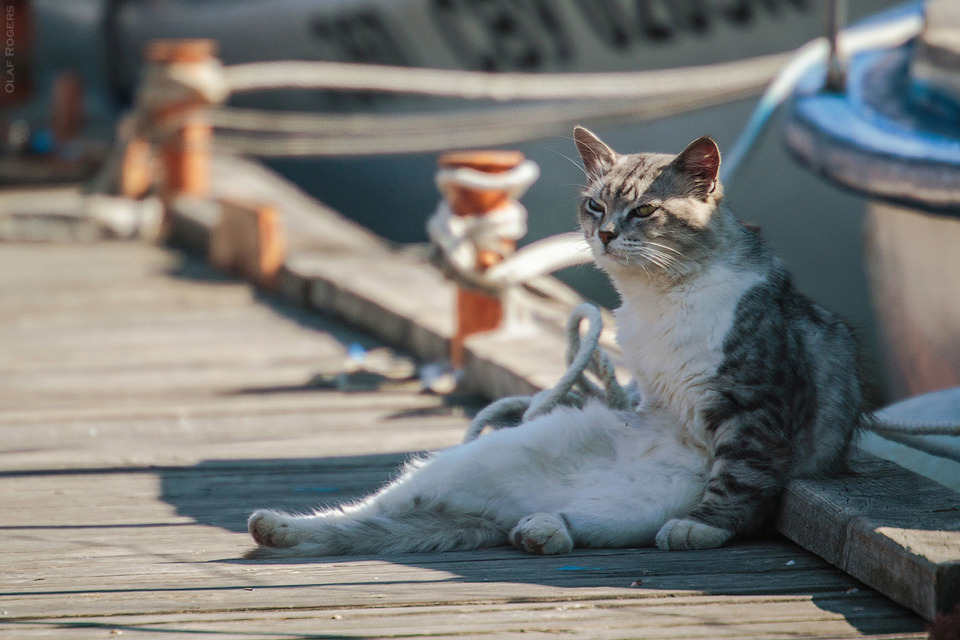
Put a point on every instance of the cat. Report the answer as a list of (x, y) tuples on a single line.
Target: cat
[(743, 385)]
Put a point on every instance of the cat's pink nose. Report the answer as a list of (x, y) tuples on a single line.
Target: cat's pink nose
[(606, 236)]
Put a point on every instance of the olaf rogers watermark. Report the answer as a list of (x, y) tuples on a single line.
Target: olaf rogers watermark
[(9, 49)]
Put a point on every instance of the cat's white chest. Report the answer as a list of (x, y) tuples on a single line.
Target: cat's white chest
[(673, 342)]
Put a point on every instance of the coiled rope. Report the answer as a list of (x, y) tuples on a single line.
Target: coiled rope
[(573, 388)]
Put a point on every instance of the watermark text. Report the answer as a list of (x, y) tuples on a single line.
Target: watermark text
[(9, 49)]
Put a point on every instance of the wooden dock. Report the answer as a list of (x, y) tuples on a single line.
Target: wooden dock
[(147, 405)]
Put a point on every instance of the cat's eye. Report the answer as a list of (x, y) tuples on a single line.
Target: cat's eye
[(594, 207), (642, 211)]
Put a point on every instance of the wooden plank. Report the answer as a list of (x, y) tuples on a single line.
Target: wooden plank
[(756, 617), (279, 402), (891, 528), (91, 445)]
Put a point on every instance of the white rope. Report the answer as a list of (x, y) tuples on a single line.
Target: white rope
[(850, 41), (607, 96), (259, 76), (459, 238), (884, 426), (539, 258), (355, 135), (573, 388), (575, 97), (513, 182), (911, 433)]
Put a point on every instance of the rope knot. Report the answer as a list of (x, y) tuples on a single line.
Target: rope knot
[(492, 220)]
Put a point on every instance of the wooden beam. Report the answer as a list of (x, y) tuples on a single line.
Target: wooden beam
[(248, 241), (894, 530)]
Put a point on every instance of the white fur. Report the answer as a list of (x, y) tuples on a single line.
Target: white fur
[(672, 340), (590, 477)]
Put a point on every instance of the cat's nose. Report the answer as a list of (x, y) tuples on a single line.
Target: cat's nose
[(606, 236)]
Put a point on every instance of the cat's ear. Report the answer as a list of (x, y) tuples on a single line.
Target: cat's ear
[(597, 157), (700, 161)]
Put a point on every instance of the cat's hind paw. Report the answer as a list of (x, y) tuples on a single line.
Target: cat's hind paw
[(542, 533), (273, 529), (679, 535)]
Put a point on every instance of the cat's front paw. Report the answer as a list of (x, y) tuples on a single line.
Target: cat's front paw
[(273, 529), (542, 533), (678, 535)]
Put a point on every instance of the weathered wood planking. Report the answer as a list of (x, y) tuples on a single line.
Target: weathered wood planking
[(338, 267), (889, 527), (124, 513)]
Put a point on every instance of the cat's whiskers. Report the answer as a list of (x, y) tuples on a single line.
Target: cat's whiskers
[(663, 246), (573, 162), (642, 253), (673, 261), (656, 258)]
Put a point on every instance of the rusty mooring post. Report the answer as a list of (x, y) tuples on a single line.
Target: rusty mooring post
[(184, 152), (479, 311)]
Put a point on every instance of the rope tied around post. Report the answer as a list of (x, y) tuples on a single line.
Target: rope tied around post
[(459, 240), (573, 389), (462, 238)]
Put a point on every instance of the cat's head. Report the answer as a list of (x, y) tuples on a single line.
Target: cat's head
[(653, 215)]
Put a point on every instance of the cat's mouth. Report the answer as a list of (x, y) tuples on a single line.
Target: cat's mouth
[(605, 252)]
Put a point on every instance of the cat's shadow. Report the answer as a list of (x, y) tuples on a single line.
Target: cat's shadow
[(221, 493)]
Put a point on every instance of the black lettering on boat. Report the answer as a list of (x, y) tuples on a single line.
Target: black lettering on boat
[(357, 37), (503, 35), (622, 24), (360, 36)]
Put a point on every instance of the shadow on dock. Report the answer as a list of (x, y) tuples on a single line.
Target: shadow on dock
[(222, 494)]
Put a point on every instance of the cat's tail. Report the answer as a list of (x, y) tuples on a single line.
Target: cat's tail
[(358, 531)]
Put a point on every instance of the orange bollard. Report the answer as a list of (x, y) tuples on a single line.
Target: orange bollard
[(185, 155), (478, 311)]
